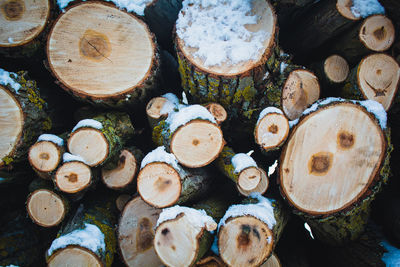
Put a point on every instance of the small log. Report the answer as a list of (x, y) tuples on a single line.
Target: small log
[(87, 239), (123, 176), (162, 182), (243, 171), (158, 108), (110, 38), (121, 201), (99, 139), (23, 117), (136, 234), (377, 77), (272, 261), (218, 111)]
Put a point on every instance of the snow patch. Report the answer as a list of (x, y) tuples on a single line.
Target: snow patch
[(242, 161), (5, 79), (184, 98), (272, 168), (90, 237), (268, 110), (187, 114), (217, 28), (266, 75), (136, 6), (67, 157), (366, 8), (392, 257), (88, 123), (214, 246), (170, 105), (51, 138), (308, 228), (160, 155), (283, 66), (197, 218), (10, 40)]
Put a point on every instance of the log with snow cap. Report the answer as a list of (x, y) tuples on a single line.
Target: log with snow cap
[(192, 135), (163, 182), (243, 171), (249, 232), (352, 157), (100, 138), (22, 116)]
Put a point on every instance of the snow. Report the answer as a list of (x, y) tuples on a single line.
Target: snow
[(51, 138), (214, 246), (67, 157), (392, 257), (136, 6), (217, 29), (184, 98), (263, 211), (10, 40), (90, 237), (197, 218), (5, 79), (283, 66), (272, 168), (160, 155), (268, 110), (88, 123), (365, 8), (308, 228), (170, 105), (242, 161), (266, 75), (187, 114)]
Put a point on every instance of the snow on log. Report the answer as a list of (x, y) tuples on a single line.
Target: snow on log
[(159, 107)]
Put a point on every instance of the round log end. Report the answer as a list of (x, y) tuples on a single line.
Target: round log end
[(74, 256), (218, 111), (73, 177), (344, 8), (271, 131), (377, 33), (336, 68), (44, 156), (273, 261), (247, 184), (155, 106)]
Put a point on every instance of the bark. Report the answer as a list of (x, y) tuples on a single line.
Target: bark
[(289, 11)]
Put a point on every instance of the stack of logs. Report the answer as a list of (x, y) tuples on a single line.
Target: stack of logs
[(271, 123)]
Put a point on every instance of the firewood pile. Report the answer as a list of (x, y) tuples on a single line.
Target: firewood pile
[(192, 133)]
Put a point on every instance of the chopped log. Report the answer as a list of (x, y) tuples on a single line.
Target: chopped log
[(255, 230), (218, 111), (162, 182), (159, 107), (123, 176), (210, 261), (272, 261), (22, 117), (136, 234), (243, 171), (192, 135), (87, 239), (121, 201), (377, 77), (110, 38), (99, 139), (341, 167)]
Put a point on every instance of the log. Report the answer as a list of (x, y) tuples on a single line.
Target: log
[(210, 261), (123, 176), (87, 239), (376, 78), (136, 234), (341, 167), (23, 117), (272, 261), (255, 229), (162, 182), (121, 201), (98, 139), (110, 38), (218, 111), (159, 107), (243, 171)]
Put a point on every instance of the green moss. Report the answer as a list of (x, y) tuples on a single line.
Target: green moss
[(7, 160), (385, 170), (157, 133), (47, 124), (246, 91)]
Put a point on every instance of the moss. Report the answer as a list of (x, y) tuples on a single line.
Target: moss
[(224, 163), (47, 124), (157, 133), (246, 91), (213, 89), (385, 170), (7, 160)]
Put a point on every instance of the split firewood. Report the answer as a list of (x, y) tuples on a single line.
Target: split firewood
[(87, 239), (122, 177), (243, 171), (110, 38), (255, 228), (192, 135), (23, 116), (136, 234), (162, 182), (100, 138), (377, 77), (336, 207)]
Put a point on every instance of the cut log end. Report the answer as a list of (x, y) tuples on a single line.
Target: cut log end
[(378, 78), (336, 68), (273, 261), (74, 256), (218, 111), (90, 144), (245, 241), (197, 143), (271, 131), (123, 174), (73, 177), (344, 8), (155, 106), (159, 184), (22, 20), (252, 180), (11, 122), (299, 91), (317, 180), (44, 156), (377, 33), (45, 208)]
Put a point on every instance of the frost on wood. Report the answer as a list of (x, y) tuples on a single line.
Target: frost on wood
[(171, 105), (187, 114), (160, 155), (197, 218), (392, 257), (88, 123), (136, 6), (217, 29), (68, 157), (283, 66), (365, 8), (90, 237), (242, 161), (267, 111), (51, 138), (5, 79)]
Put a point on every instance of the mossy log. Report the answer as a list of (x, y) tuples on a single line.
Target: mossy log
[(23, 118), (352, 157), (93, 220)]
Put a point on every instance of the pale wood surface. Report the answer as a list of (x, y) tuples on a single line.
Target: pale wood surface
[(44, 156), (344, 8), (336, 68), (249, 178), (45, 208), (261, 187), (218, 111), (73, 177), (74, 256), (271, 131), (377, 33), (154, 107), (273, 261), (123, 174)]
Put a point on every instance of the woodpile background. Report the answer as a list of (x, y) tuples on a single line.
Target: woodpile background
[(199, 133)]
